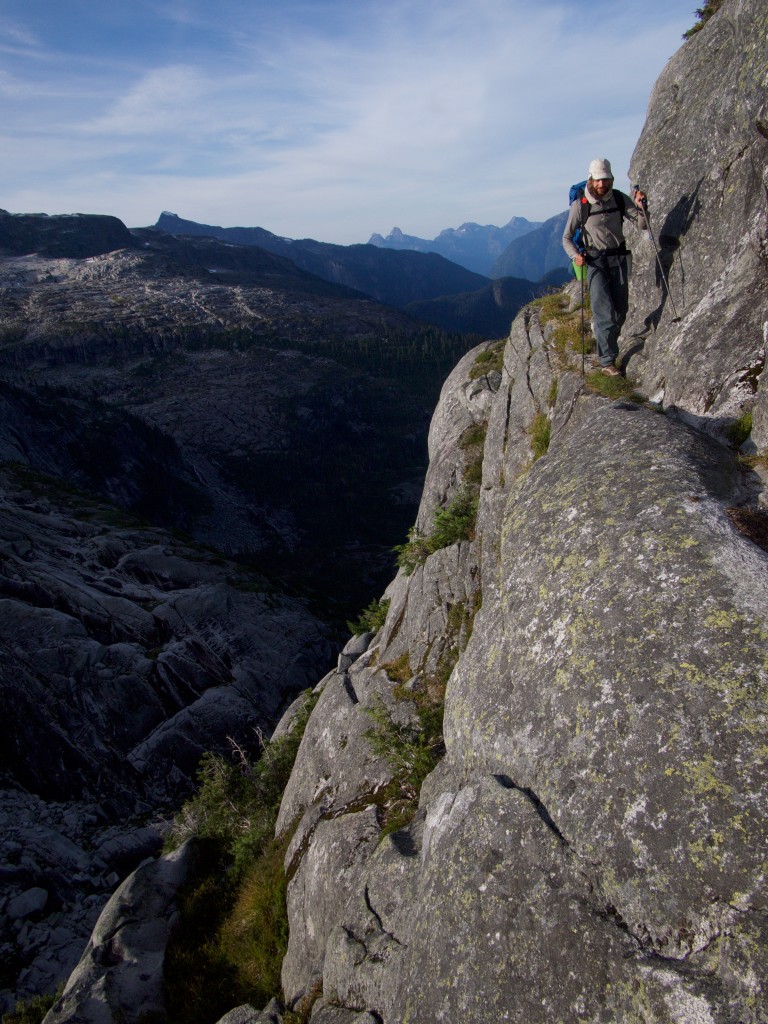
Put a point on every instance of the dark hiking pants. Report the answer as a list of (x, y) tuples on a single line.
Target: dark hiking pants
[(608, 280)]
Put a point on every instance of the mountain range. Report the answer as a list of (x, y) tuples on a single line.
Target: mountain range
[(429, 286), (474, 246)]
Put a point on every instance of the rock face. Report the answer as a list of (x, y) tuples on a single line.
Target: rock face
[(592, 845), (703, 158), (599, 816), (120, 976)]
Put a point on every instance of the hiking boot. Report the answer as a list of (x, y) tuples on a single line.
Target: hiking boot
[(610, 371)]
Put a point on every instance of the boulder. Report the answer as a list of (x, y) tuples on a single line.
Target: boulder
[(27, 903), (120, 976)]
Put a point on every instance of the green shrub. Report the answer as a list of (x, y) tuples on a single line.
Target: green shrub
[(199, 981), (570, 331), (703, 14), (452, 523), (413, 553), (232, 933), (611, 387), (473, 437), (540, 432), (760, 459), (371, 618), (254, 937), (412, 751), (472, 443), (31, 1011), (456, 521), (552, 305), (409, 749), (740, 429), (399, 671)]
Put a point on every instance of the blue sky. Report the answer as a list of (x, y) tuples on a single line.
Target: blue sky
[(328, 119)]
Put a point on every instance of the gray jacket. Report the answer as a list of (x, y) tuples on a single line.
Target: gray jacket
[(603, 229)]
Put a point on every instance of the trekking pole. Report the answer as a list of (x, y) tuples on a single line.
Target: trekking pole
[(676, 318), (582, 324)]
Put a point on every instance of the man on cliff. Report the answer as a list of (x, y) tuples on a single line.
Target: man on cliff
[(596, 219)]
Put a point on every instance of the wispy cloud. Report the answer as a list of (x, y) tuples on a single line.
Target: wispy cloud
[(164, 100), (15, 36), (332, 118)]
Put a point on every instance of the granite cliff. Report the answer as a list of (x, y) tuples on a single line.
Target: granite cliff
[(592, 845), (590, 842)]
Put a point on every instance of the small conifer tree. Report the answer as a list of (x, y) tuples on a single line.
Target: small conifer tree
[(703, 14)]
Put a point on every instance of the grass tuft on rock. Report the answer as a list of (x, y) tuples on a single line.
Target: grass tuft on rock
[(612, 387), (540, 433), (740, 429)]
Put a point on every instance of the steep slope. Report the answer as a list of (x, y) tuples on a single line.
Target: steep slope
[(125, 655), (703, 158), (535, 255), (73, 235), (487, 312)]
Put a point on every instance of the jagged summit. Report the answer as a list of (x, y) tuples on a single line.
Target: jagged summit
[(471, 245)]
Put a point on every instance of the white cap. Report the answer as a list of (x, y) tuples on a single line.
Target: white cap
[(600, 168)]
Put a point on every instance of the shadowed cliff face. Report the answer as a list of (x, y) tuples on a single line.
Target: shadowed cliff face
[(702, 157)]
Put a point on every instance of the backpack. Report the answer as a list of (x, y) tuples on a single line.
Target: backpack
[(577, 192)]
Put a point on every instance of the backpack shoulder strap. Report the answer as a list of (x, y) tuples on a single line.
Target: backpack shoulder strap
[(584, 208)]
